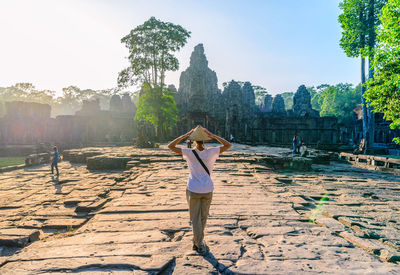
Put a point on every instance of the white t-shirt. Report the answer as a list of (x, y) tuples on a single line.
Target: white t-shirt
[(199, 181)]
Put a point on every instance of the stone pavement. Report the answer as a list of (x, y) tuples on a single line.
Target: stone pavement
[(337, 219)]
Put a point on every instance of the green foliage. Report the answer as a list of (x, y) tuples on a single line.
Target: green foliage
[(158, 107), (73, 97), (359, 20), (151, 47), (11, 161), (259, 93), (339, 100), (315, 93), (70, 101), (26, 92), (288, 98), (383, 92)]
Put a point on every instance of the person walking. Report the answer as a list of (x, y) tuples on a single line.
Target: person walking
[(200, 187), (55, 160)]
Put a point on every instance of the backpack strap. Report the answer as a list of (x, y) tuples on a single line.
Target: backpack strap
[(201, 162)]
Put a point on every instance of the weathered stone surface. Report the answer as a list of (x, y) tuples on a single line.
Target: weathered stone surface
[(36, 159), (267, 104), (103, 162), (115, 103), (301, 164), (18, 237), (302, 103), (198, 86), (278, 105), (138, 220)]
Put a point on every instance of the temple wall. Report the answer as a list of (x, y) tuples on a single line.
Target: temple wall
[(280, 130), (28, 123)]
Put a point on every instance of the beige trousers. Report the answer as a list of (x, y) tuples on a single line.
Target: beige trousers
[(199, 205)]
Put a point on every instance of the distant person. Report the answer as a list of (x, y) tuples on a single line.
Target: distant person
[(303, 150), (200, 187), (298, 141), (231, 138), (189, 143), (294, 144), (54, 160)]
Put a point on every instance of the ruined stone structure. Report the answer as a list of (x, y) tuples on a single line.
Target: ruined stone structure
[(198, 96), (233, 111), (28, 123), (25, 123), (278, 106), (302, 104), (383, 135), (266, 106)]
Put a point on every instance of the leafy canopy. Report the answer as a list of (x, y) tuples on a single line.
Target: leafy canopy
[(151, 47), (359, 20), (158, 107), (339, 100), (70, 101), (383, 92)]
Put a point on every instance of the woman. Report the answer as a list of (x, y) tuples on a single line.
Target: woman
[(200, 187)]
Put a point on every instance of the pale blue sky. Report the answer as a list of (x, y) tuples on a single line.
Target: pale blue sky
[(278, 44)]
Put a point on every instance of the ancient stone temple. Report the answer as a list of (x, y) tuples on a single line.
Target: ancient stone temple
[(278, 106), (233, 111), (266, 106), (29, 123), (198, 97), (25, 123), (93, 125), (302, 104), (240, 110)]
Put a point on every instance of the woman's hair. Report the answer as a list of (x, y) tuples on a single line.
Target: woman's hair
[(55, 148), (199, 141)]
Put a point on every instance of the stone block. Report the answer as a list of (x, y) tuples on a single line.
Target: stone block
[(36, 159), (370, 245), (104, 162), (18, 237), (301, 164)]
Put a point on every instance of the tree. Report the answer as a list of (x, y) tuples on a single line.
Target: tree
[(383, 92), (315, 93), (151, 47), (359, 22), (340, 101), (259, 93), (288, 99), (158, 107), (27, 92)]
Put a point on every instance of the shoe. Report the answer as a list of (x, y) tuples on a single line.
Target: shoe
[(202, 250)]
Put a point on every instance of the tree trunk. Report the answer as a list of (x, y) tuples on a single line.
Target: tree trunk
[(371, 114), (364, 107), (371, 45)]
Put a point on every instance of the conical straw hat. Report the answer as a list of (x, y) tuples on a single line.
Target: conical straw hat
[(199, 134)]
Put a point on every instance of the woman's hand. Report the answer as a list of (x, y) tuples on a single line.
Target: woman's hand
[(188, 134)]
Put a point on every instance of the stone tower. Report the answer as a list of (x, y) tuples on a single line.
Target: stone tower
[(302, 103), (267, 104), (278, 105), (115, 103), (127, 105), (198, 86)]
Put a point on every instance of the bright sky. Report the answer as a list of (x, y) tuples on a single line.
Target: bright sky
[(278, 44)]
